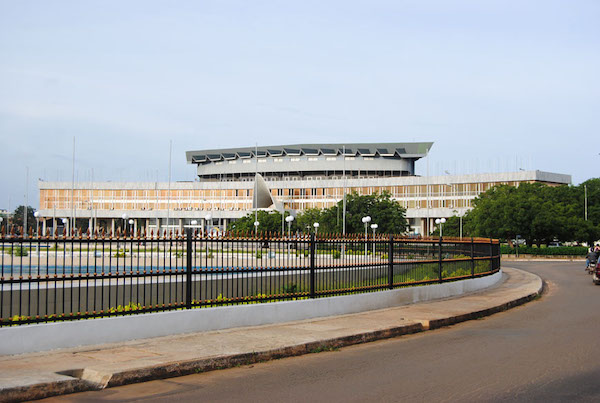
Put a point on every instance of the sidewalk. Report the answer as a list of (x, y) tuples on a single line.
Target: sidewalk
[(39, 375)]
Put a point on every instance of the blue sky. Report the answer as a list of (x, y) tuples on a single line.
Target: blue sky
[(496, 85)]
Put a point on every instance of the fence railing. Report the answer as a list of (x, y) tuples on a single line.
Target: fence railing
[(57, 278)]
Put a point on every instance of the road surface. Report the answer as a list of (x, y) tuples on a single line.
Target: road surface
[(546, 350)]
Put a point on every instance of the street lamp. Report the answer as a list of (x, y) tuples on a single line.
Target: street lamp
[(37, 222), (125, 217), (131, 226), (366, 220), (374, 228), (440, 222), (316, 225), (289, 220), (208, 219), (65, 222)]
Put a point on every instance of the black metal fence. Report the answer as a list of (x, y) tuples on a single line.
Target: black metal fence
[(45, 279)]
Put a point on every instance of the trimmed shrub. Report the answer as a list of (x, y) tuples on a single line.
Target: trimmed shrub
[(559, 251)]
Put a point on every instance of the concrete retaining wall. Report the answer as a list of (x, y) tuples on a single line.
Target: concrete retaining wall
[(42, 337)]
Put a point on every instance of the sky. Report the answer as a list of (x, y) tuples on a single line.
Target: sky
[(497, 85)]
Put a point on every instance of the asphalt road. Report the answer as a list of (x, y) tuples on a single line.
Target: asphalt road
[(546, 350)]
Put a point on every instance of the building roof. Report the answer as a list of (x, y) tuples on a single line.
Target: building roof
[(401, 150)]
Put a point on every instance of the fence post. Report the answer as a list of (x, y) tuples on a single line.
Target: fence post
[(440, 258), (312, 265), (472, 258), (391, 262), (188, 268)]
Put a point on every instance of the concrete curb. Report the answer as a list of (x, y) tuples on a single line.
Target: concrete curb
[(86, 380)]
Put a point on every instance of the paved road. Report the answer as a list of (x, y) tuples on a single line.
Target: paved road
[(543, 351)]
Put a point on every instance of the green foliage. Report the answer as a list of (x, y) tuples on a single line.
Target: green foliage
[(386, 212), (290, 289), (20, 251), (383, 210), (536, 212), (17, 217), (452, 227), (560, 251), (258, 255), (336, 254)]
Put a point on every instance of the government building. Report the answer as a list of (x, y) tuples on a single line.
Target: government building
[(291, 177)]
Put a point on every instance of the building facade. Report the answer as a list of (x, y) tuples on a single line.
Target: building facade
[(298, 176)]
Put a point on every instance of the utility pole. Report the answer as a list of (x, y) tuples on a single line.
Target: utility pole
[(344, 195), (73, 225), (169, 187), (585, 191), (254, 193), (26, 202)]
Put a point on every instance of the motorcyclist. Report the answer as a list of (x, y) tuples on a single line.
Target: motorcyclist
[(591, 257)]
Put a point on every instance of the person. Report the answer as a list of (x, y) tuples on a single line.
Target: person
[(590, 257)]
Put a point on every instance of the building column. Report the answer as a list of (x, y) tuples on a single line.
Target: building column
[(44, 226), (157, 226), (224, 224), (146, 226), (181, 225), (135, 226), (53, 226), (112, 225), (90, 225)]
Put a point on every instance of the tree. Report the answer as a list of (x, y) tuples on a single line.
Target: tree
[(270, 221), (17, 218), (452, 227), (537, 212), (386, 212)]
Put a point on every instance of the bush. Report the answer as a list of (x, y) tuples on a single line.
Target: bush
[(336, 254), (258, 255), (19, 251), (560, 251)]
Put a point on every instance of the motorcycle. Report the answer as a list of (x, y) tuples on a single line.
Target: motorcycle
[(591, 267), (596, 275)]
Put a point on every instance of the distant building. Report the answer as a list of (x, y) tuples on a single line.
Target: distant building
[(298, 176)]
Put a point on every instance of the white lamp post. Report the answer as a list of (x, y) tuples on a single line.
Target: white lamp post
[(374, 228), (37, 221), (440, 222), (65, 222), (208, 219), (131, 226), (125, 217), (366, 220), (316, 225), (289, 220)]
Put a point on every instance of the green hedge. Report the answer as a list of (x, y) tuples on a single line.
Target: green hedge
[(559, 251)]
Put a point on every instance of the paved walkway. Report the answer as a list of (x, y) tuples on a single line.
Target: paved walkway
[(38, 375)]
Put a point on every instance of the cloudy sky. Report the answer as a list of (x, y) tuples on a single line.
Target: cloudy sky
[(496, 85)]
